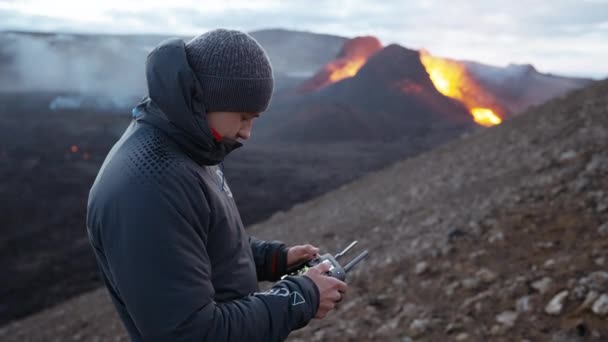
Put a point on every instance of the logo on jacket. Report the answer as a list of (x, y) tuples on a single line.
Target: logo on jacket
[(295, 297), (223, 183)]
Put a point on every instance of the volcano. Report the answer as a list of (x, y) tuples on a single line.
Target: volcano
[(385, 94), (389, 98)]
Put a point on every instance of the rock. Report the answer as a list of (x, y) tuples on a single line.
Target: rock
[(446, 250), (456, 233), (596, 334), (475, 228), (570, 335), (419, 326), (556, 304), (599, 195), (486, 276), (446, 265), (523, 304), (450, 289), (389, 326), (399, 280), (498, 330), (600, 306), (596, 163), (478, 307), (430, 221), (549, 263), (470, 283), (602, 205), (319, 335), (507, 318), (520, 279), (603, 229), (496, 236), (597, 281), (558, 189), (589, 300), (462, 337), (581, 184), (408, 310), (476, 298), (477, 254), (600, 261), (543, 285), (421, 268), (545, 245), (579, 292), (452, 327), (567, 156), (489, 222)]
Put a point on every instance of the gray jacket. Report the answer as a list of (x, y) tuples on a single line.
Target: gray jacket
[(167, 234)]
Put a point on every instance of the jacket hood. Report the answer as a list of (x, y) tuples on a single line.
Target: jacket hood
[(174, 105)]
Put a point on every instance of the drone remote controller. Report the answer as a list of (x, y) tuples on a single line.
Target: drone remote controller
[(335, 270)]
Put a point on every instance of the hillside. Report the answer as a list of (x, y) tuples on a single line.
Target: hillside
[(49, 160), (470, 241)]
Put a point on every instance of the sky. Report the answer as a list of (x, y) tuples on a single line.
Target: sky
[(567, 37)]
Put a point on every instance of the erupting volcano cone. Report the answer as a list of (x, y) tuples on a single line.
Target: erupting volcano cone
[(351, 58)]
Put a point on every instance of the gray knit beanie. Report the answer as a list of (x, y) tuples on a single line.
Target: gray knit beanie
[(233, 69)]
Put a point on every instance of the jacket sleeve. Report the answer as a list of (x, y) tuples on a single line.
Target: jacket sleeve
[(159, 264), (270, 258)]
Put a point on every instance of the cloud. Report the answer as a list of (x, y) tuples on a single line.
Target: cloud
[(551, 35)]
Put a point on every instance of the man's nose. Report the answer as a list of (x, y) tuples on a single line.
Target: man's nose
[(245, 132)]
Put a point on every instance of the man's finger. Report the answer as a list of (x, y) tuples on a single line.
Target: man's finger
[(341, 286), (307, 251), (323, 267), (311, 249), (336, 296)]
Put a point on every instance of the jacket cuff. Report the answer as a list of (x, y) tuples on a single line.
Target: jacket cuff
[(277, 263), (311, 292)]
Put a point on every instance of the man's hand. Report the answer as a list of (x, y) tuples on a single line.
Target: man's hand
[(300, 253), (331, 290)]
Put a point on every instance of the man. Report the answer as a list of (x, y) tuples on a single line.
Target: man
[(161, 218)]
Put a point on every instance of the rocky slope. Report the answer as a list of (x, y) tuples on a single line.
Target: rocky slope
[(48, 161), (502, 236)]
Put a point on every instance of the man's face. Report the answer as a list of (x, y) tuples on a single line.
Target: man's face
[(233, 125)]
